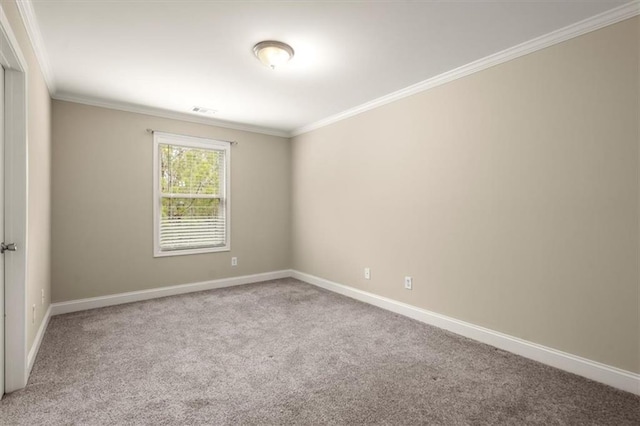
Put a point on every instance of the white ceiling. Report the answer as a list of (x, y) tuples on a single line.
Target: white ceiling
[(173, 55)]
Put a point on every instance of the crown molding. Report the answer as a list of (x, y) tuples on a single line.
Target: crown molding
[(157, 112), (596, 22), (30, 21), (25, 7), (593, 23)]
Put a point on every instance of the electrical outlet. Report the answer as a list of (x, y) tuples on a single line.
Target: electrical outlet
[(33, 316), (234, 261), (408, 283), (42, 297), (367, 273)]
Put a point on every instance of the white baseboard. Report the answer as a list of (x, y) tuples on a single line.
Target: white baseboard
[(38, 340), (612, 376), (154, 293)]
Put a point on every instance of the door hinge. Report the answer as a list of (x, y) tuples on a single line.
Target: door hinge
[(8, 247)]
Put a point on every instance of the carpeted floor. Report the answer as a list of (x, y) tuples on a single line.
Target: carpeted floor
[(284, 352)]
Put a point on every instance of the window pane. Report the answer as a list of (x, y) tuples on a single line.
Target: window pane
[(185, 170), (192, 223), (177, 208), (190, 191)]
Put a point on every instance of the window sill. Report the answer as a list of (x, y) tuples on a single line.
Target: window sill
[(167, 253)]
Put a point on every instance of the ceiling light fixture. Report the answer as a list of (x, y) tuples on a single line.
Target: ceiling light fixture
[(273, 53)]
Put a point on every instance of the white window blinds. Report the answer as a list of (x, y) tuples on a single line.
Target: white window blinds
[(191, 194)]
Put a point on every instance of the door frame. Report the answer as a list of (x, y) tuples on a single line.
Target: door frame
[(16, 186)]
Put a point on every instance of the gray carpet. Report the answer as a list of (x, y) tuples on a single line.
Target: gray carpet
[(284, 352)]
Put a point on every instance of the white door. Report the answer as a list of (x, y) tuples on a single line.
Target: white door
[(1, 231)]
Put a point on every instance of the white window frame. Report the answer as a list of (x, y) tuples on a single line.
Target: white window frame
[(189, 142)]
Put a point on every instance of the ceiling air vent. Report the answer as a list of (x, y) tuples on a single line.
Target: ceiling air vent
[(203, 111)]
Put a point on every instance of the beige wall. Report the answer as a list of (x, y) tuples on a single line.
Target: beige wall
[(102, 204), (510, 196), (39, 197)]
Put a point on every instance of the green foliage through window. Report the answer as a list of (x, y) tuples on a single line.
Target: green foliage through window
[(192, 199), (190, 171)]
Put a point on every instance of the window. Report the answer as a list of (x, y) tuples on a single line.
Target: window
[(190, 195)]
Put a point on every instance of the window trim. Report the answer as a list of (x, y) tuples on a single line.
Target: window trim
[(190, 142)]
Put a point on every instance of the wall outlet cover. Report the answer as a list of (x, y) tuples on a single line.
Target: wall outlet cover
[(408, 283)]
